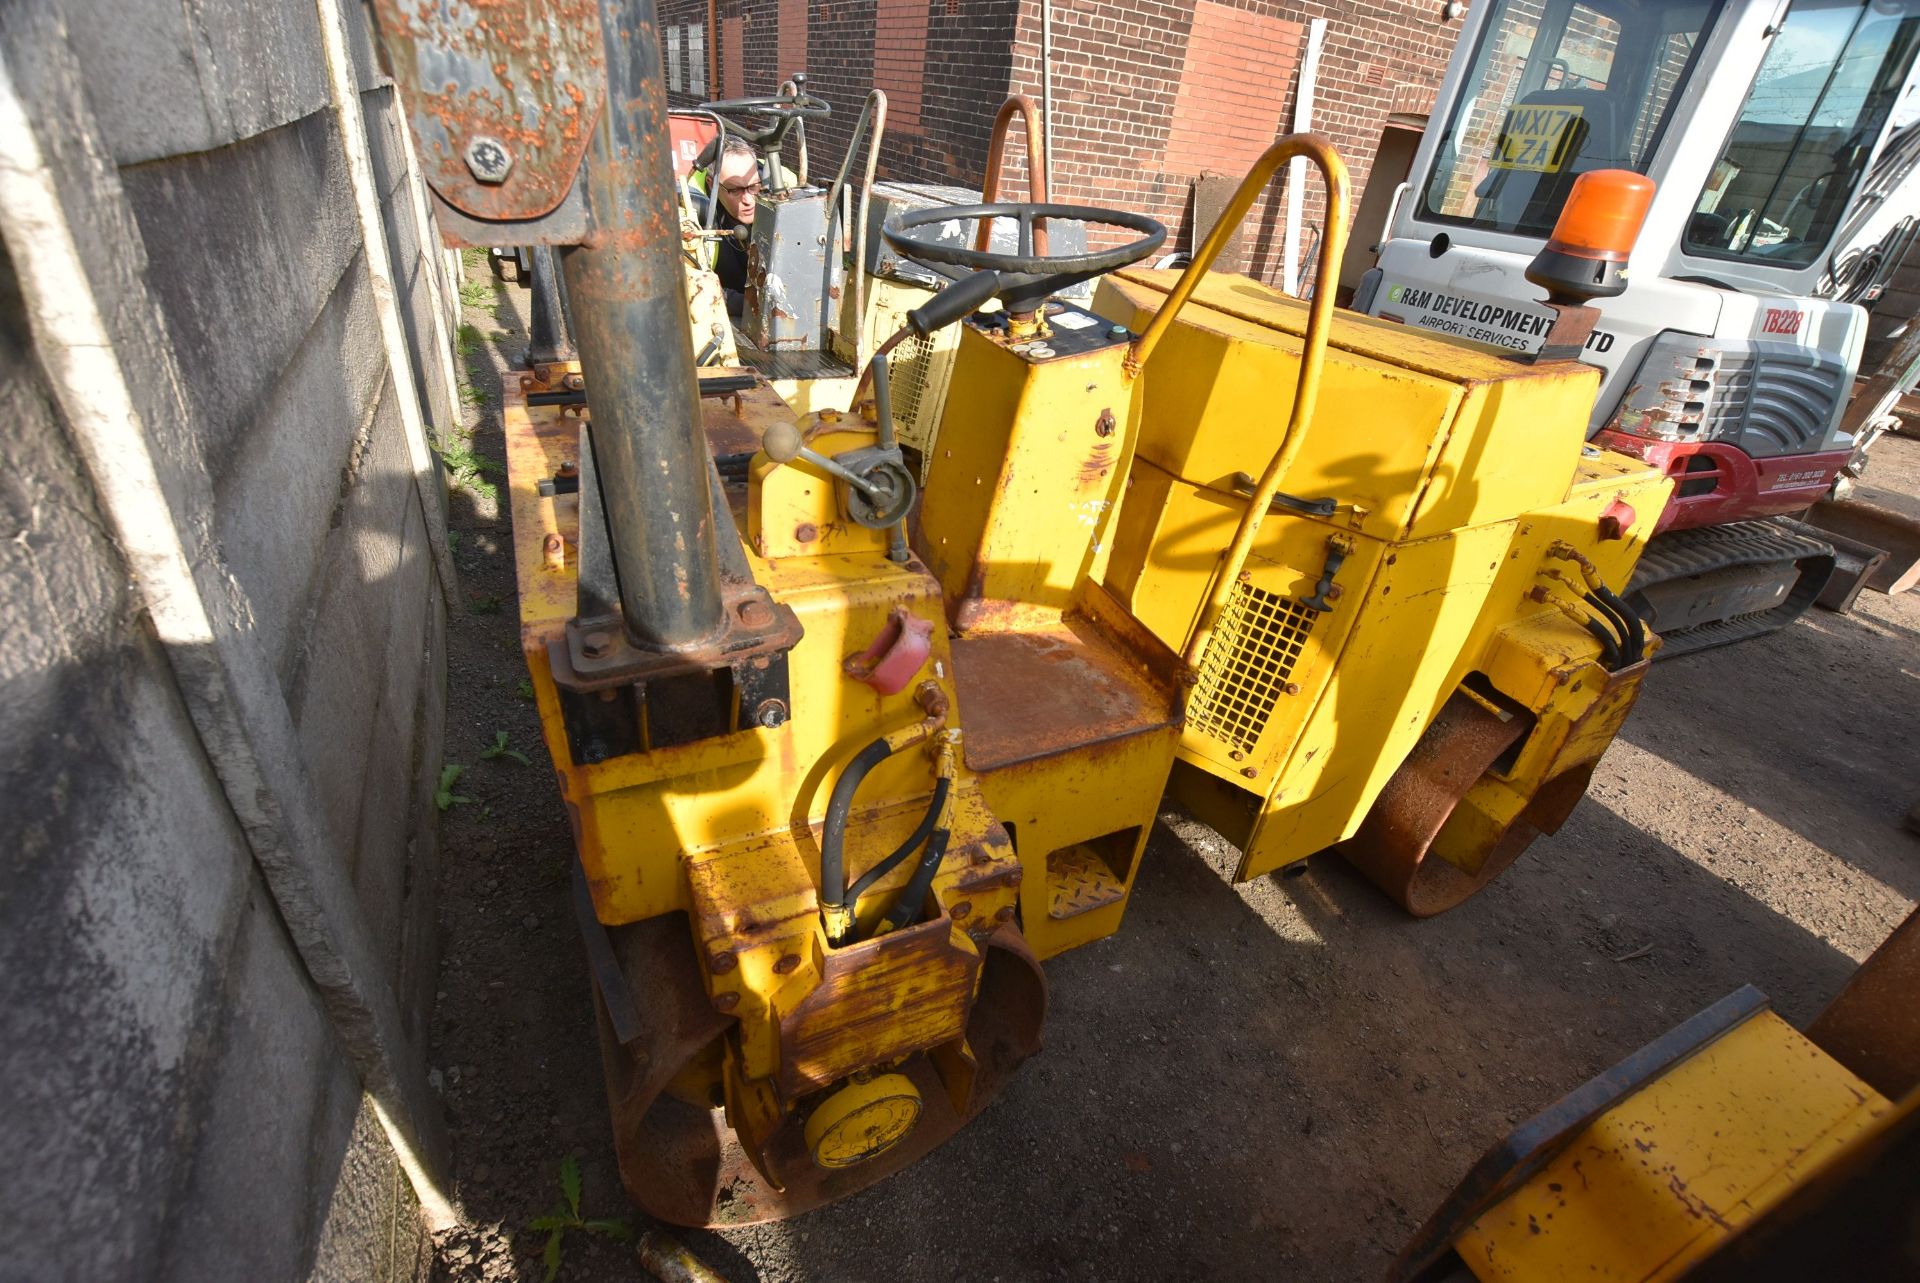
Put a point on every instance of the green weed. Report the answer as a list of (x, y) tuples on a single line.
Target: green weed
[(486, 604), (499, 749), (566, 1216), (525, 689), (476, 294), (444, 797), (468, 339)]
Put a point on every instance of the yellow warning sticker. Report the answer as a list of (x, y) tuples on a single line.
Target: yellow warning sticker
[(1541, 139)]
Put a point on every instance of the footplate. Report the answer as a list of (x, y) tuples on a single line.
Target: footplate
[(1700, 588)]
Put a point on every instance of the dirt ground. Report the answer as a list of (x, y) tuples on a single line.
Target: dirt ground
[(1275, 1080)]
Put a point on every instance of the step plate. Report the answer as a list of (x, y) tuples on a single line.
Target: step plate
[(1079, 881)]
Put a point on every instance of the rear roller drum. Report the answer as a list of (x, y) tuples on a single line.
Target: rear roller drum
[(683, 1164)]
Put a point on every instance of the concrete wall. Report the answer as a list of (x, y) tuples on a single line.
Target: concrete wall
[(214, 948)]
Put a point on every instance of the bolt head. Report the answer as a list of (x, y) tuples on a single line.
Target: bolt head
[(787, 965), (596, 644), (771, 714), (1003, 913), (488, 159), (722, 961)]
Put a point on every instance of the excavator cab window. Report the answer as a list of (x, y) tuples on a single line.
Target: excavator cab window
[(1556, 90), (1835, 73)]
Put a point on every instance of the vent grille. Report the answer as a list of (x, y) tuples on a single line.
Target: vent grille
[(1774, 403), (1248, 659), (909, 370)]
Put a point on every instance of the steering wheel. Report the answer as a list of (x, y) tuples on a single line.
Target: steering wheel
[(785, 110), (1023, 280)]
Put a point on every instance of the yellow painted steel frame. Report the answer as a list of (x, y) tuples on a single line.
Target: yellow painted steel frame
[(727, 830), (1072, 706), (1453, 471), (1658, 1182)]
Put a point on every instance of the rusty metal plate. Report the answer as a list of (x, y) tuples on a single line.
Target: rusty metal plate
[(855, 1017), (1873, 1025), (502, 96)]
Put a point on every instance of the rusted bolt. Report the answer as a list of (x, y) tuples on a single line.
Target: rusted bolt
[(726, 1001), (527, 382), (806, 532), (770, 714), (787, 964), (721, 961), (1249, 771), (961, 909), (1291, 688), (576, 382), (567, 468), (1335, 592), (1245, 576), (1003, 913), (596, 644), (554, 549), (488, 159), (755, 613), (1104, 425)]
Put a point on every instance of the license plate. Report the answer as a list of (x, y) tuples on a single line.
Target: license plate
[(1536, 138)]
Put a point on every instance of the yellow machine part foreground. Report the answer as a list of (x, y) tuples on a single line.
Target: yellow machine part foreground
[(1733, 1147)]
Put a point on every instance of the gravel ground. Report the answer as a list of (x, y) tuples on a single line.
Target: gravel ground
[(1275, 1080)]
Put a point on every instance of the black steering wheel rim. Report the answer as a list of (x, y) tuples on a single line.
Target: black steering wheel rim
[(805, 106), (1153, 234)]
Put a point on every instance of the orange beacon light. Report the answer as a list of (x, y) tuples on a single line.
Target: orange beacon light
[(1586, 257)]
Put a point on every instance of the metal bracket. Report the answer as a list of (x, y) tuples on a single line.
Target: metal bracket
[(1244, 485), (1326, 592)]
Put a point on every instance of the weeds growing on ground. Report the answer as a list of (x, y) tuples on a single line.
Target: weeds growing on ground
[(444, 797), (499, 749), (566, 1216)]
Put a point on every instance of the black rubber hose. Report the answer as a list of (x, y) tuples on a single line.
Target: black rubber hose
[(1620, 626), (1632, 617), (1609, 652), (833, 838), (906, 905), (907, 847)]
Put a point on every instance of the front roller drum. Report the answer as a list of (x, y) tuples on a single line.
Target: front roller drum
[(683, 1164), (1394, 845)]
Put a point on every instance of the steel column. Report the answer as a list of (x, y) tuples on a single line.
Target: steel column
[(629, 314)]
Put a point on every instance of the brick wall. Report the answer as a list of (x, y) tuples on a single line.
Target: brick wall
[(1148, 94), (944, 64)]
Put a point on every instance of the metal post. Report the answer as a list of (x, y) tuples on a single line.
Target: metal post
[(549, 337), (629, 313)]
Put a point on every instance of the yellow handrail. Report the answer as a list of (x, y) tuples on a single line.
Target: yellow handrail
[(1312, 354)]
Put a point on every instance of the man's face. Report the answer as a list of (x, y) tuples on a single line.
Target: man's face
[(739, 180)]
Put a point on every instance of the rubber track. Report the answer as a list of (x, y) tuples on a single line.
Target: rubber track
[(1680, 554)]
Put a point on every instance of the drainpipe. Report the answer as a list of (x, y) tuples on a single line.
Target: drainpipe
[(629, 314), (1297, 171), (1046, 89)]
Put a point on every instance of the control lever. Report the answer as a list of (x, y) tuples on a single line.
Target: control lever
[(783, 444), (960, 299)]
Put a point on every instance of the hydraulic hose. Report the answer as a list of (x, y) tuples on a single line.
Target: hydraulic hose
[(906, 905), (833, 837), (906, 848), (1629, 617), (1629, 636), (1609, 648)]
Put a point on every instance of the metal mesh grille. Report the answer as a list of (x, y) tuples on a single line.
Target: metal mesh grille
[(908, 370), (1248, 659)]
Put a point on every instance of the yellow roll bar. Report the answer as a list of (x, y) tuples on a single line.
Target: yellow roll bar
[(1312, 355)]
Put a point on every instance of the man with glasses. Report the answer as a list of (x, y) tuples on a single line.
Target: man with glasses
[(736, 174)]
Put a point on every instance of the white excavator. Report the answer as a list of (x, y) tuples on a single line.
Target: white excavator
[(1778, 136)]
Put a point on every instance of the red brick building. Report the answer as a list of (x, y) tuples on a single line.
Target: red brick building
[(1148, 96)]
